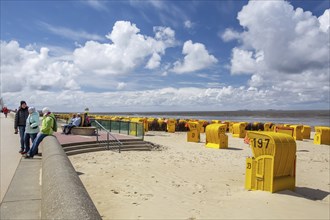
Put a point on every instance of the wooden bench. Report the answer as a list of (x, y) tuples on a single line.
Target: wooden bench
[(87, 131)]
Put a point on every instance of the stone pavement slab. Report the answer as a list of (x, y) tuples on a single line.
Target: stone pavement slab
[(23, 198)]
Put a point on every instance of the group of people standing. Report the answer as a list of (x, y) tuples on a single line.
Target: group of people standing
[(27, 126)]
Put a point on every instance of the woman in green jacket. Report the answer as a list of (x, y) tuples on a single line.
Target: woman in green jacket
[(48, 126)]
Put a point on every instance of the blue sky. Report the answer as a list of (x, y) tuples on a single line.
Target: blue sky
[(165, 55)]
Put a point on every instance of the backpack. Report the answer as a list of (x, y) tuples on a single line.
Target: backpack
[(54, 124)]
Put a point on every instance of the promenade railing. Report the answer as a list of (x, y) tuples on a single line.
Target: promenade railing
[(112, 142), (121, 127)]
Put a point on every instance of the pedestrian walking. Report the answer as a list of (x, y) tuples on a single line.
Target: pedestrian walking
[(5, 111)]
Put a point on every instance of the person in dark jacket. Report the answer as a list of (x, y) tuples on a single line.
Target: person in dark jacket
[(20, 122)]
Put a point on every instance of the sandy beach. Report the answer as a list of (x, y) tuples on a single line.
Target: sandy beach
[(184, 180)]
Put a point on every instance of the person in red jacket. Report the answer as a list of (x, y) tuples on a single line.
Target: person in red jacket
[(5, 111)]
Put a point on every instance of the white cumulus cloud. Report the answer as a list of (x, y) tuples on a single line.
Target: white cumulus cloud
[(27, 68), (154, 61), (243, 61), (129, 50), (291, 40), (196, 58), (284, 49), (325, 21), (230, 34)]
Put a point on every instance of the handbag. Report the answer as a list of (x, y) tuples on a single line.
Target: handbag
[(34, 127)]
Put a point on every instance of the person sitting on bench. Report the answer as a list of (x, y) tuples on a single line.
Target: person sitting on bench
[(75, 122)]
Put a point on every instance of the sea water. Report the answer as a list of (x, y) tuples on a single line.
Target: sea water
[(304, 117)]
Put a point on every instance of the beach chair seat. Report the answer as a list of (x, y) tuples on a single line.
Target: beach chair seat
[(171, 125), (322, 135), (216, 136), (297, 132), (306, 132), (193, 135), (239, 129)]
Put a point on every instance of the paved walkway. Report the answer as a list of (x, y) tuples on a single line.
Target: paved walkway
[(20, 179), (9, 156)]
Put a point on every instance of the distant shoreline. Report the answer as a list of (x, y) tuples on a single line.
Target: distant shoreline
[(271, 113)]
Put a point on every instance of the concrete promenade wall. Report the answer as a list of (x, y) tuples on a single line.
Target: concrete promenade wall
[(63, 194)]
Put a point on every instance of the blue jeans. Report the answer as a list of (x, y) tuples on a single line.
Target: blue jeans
[(27, 137), (21, 130), (67, 128), (36, 143)]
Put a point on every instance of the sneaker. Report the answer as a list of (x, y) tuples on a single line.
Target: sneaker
[(21, 150), (28, 156), (24, 152)]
